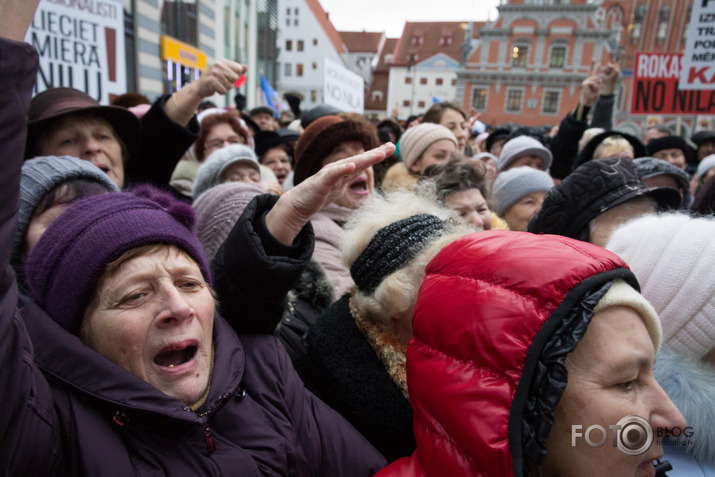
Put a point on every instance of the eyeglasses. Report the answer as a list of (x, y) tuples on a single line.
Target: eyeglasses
[(219, 143)]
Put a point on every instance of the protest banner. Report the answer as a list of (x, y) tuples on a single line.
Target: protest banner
[(342, 88), (656, 90), (81, 45), (698, 71)]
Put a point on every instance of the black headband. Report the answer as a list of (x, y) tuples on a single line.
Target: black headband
[(392, 247)]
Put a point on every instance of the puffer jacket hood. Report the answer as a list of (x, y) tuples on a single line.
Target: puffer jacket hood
[(486, 309)]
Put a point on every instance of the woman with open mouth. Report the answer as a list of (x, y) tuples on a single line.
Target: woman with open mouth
[(325, 141), (121, 366)]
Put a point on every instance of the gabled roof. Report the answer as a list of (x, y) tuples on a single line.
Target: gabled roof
[(361, 41), (423, 40), (327, 25)]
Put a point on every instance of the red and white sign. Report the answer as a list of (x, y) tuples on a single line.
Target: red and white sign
[(656, 90)]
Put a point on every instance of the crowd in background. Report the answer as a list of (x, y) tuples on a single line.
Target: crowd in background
[(203, 290)]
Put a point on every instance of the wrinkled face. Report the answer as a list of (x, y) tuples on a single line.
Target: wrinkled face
[(705, 149), (220, 136), (39, 224), (90, 138), (675, 157), (610, 376), (154, 318), (360, 189), (529, 160), (471, 207), (240, 172), (264, 121), (520, 213), (436, 153), (278, 161), (454, 121)]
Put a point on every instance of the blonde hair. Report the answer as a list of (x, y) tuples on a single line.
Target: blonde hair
[(612, 146), (398, 291)]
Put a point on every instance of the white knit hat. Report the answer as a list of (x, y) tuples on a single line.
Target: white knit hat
[(418, 138), (210, 171), (522, 146), (673, 257), (622, 294)]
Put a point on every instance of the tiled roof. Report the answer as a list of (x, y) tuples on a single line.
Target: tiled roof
[(361, 41), (422, 40), (327, 25)]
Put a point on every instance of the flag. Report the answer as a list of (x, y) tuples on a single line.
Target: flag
[(270, 97), (435, 99)]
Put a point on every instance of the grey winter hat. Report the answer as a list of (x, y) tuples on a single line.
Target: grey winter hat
[(522, 146), (512, 185), (706, 164), (210, 171), (41, 175)]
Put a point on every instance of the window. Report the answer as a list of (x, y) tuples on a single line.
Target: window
[(519, 56), (558, 57), (417, 40), (296, 10), (288, 11), (420, 104), (513, 100), (550, 104), (423, 80), (299, 69), (454, 81), (313, 95), (408, 79), (479, 99), (289, 45), (315, 42), (295, 22), (287, 21), (445, 40), (315, 65), (300, 45), (287, 69), (406, 103), (438, 81), (377, 95)]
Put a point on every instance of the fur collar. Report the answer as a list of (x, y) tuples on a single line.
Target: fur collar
[(690, 383)]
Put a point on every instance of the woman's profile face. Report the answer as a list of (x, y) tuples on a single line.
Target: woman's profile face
[(610, 376), (154, 317)]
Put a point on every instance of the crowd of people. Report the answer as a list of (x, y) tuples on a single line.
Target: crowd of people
[(200, 290)]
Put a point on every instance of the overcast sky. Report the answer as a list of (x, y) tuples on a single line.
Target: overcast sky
[(390, 15)]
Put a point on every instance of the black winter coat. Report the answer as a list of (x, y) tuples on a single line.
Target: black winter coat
[(344, 371)]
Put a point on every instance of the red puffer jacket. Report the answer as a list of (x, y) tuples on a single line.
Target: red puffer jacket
[(487, 306)]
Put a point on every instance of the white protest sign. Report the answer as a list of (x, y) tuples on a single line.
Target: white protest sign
[(81, 45), (698, 68), (342, 88)]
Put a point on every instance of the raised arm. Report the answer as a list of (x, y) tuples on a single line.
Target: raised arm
[(28, 422)]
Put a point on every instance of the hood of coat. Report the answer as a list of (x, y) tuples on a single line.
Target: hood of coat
[(89, 372), (690, 384), (483, 315)]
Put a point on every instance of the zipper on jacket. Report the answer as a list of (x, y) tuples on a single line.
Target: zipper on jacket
[(210, 444)]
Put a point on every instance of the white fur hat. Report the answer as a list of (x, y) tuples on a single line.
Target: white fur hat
[(673, 257)]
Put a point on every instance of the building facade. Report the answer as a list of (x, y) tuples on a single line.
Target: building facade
[(305, 38), (531, 61)]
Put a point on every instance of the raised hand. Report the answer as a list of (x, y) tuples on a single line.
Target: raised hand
[(297, 206), (610, 73), (590, 88)]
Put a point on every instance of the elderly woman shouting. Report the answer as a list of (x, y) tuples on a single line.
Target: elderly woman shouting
[(122, 367)]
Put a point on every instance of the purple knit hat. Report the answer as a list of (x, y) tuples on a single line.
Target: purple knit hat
[(64, 268)]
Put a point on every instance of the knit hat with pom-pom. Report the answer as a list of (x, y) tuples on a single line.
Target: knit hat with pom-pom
[(66, 265)]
